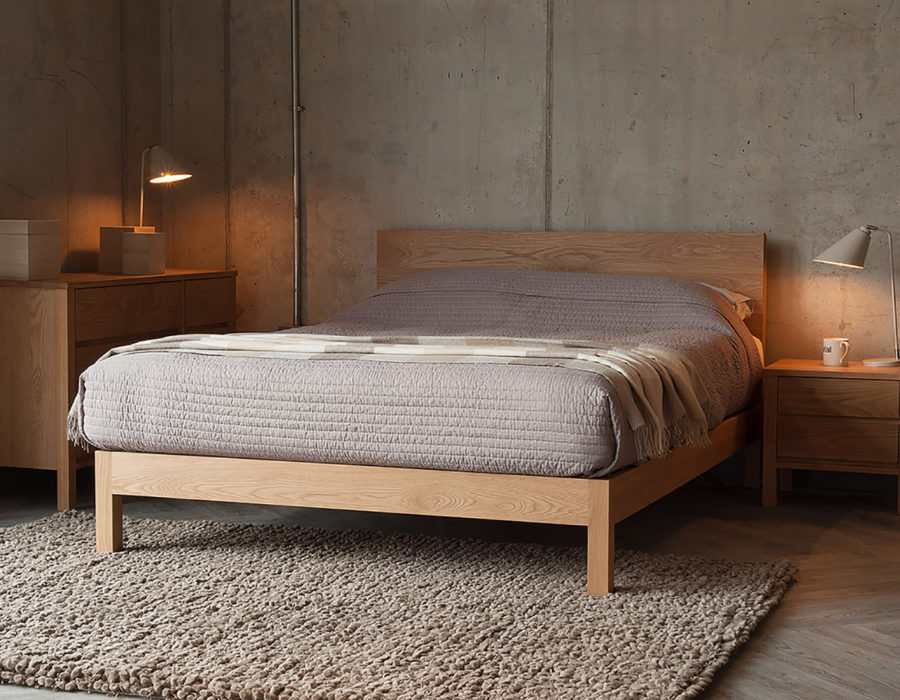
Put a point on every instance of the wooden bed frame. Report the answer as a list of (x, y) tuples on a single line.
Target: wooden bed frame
[(734, 261)]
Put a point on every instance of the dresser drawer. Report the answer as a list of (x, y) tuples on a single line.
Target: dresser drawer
[(128, 310), (831, 439), (209, 302), (859, 398), (89, 353)]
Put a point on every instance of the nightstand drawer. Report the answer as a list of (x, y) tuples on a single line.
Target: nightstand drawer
[(128, 310), (209, 302), (830, 439), (859, 398)]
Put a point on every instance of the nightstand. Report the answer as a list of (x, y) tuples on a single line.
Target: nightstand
[(843, 419), (51, 330)]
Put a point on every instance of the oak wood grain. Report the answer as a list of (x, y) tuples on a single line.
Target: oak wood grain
[(735, 261), (814, 368), (834, 396), (209, 303), (82, 280), (832, 439), (520, 498), (856, 466), (34, 375), (115, 312), (601, 539), (107, 507)]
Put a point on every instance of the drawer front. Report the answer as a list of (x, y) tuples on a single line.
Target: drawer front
[(859, 398), (209, 302), (830, 439), (128, 310), (88, 354)]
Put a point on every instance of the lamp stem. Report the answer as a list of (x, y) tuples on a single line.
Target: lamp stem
[(893, 294), (143, 172)]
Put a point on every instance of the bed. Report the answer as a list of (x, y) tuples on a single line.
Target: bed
[(564, 496)]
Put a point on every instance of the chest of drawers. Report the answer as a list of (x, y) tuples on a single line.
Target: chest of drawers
[(51, 330)]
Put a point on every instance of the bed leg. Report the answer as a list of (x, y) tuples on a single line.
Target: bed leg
[(108, 506), (600, 539)]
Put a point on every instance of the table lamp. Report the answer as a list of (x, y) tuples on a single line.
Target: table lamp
[(851, 251), (140, 250)]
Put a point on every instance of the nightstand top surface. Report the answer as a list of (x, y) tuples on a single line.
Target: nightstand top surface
[(94, 279), (815, 368)]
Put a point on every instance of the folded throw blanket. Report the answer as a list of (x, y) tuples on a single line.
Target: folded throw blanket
[(659, 389)]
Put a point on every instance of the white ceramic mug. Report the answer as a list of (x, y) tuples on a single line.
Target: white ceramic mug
[(835, 352)]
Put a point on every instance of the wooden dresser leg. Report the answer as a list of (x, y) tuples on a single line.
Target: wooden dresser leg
[(769, 485), (600, 540), (108, 506), (66, 498)]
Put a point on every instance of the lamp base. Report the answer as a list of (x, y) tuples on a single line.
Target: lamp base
[(881, 362), (132, 250)]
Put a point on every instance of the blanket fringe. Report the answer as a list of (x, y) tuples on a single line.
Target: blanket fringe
[(651, 444), (74, 428)]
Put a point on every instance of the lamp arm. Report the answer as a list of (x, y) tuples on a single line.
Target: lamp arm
[(143, 177), (890, 238), (141, 215)]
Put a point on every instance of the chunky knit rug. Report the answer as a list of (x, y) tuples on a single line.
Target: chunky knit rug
[(212, 610)]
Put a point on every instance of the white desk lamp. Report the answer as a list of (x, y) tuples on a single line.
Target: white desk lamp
[(851, 251)]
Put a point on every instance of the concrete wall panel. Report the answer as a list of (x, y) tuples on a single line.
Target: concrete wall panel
[(60, 119), (194, 129), (141, 92), (765, 116), (418, 114), (93, 126), (260, 164)]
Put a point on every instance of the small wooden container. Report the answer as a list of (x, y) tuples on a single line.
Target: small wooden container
[(29, 249), (132, 250)]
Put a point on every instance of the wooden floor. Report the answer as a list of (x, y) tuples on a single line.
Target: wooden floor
[(835, 636)]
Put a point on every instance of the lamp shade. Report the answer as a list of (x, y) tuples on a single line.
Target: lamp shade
[(158, 166), (850, 251), (162, 167)]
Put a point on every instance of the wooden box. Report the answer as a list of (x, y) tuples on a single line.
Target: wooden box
[(29, 249), (132, 250)]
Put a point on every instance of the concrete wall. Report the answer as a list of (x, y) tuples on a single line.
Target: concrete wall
[(86, 86), (753, 116), (61, 119), (418, 114), (226, 85)]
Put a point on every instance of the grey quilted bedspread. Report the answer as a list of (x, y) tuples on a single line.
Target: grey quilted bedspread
[(523, 419)]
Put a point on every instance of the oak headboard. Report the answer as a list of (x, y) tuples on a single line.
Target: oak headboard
[(736, 261)]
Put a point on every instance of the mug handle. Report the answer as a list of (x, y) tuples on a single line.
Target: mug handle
[(845, 346)]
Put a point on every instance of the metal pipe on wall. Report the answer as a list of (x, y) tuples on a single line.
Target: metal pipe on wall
[(296, 109)]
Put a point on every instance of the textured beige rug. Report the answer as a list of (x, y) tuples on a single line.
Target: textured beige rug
[(212, 610)]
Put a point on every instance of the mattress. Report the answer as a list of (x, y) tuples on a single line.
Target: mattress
[(552, 421)]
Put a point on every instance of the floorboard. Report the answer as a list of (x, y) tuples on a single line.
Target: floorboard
[(835, 635)]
